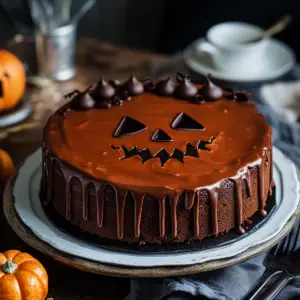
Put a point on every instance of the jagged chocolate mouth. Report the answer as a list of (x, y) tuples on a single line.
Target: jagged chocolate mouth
[(162, 154), (129, 126)]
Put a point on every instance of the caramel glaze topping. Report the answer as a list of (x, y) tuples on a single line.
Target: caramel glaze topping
[(83, 139)]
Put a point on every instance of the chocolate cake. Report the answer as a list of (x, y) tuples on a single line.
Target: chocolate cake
[(157, 161)]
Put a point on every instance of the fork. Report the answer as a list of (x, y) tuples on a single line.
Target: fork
[(278, 260)]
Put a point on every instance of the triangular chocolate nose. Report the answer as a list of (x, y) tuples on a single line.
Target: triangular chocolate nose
[(185, 122), (160, 136), (129, 126)]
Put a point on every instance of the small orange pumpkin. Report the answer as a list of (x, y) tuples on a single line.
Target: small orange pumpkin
[(12, 80), (22, 277), (6, 168)]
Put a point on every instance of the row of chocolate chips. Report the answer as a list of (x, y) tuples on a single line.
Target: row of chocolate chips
[(106, 94), (236, 95), (186, 90)]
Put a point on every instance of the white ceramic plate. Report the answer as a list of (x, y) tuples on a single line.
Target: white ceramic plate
[(29, 209), (279, 60), (17, 115)]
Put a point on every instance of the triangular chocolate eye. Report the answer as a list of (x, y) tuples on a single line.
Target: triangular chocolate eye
[(128, 126), (160, 136), (185, 122)]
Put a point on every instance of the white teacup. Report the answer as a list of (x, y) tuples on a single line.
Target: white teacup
[(228, 44)]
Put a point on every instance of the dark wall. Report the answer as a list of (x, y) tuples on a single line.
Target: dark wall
[(164, 25), (185, 21)]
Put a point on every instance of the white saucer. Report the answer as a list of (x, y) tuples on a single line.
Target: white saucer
[(16, 115), (279, 60), (23, 195)]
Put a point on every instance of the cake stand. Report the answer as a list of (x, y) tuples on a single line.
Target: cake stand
[(26, 216)]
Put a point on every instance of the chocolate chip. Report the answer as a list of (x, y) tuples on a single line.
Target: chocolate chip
[(211, 91), (232, 95), (133, 86), (165, 87), (103, 90), (180, 77), (103, 104), (198, 99), (241, 96), (83, 101), (115, 83), (116, 100), (149, 85), (228, 93), (186, 89), (124, 95)]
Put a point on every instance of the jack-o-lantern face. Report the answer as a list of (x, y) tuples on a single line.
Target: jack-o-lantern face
[(130, 126), (163, 125), (12, 80), (154, 128)]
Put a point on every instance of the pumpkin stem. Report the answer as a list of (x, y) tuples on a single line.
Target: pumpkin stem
[(9, 267)]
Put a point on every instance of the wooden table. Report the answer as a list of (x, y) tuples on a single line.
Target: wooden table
[(93, 59)]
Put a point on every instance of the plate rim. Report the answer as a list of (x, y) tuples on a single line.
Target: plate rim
[(124, 270), (200, 69), (21, 113)]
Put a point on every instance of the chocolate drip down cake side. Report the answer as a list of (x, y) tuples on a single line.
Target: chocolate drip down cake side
[(157, 161)]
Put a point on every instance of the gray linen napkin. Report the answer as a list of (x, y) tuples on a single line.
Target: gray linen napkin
[(233, 282)]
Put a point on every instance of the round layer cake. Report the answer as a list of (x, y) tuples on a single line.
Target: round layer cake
[(157, 161)]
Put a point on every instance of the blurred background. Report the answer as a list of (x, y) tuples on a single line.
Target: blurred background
[(164, 26), (48, 48)]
